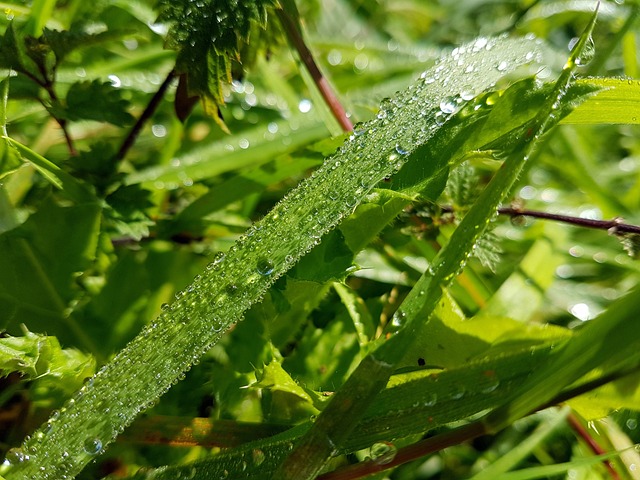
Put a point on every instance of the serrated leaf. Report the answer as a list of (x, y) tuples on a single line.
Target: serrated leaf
[(126, 213), (40, 358), (63, 42), (209, 37), (288, 402), (95, 100), (14, 55)]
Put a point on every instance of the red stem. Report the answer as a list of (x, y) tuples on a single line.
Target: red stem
[(295, 37), (595, 447)]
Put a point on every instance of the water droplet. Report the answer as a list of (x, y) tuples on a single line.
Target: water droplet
[(430, 400), (480, 43), (16, 456), (492, 382), (502, 66), (587, 54), (448, 105), (467, 93), (383, 453), (92, 446), (305, 105), (258, 457), (265, 267), (399, 318), (457, 392), (165, 307), (401, 150)]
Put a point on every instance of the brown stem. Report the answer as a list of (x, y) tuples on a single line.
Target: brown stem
[(595, 447), (615, 226), (409, 453), (465, 433), (295, 37), (148, 112)]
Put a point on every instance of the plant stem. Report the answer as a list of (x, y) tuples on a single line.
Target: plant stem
[(466, 433), (148, 112), (295, 37), (615, 226), (409, 453), (595, 447)]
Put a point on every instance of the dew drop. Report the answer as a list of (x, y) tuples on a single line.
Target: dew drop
[(16, 456), (383, 453), (493, 382), (92, 446), (265, 267), (258, 457), (457, 392), (502, 66), (467, 93), (398, 318), (587, 54), (448, 105), (401, 150), (430, 400)]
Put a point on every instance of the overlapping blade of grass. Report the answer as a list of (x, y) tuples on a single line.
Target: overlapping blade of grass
[(337, 421), (217, 299), (618, 102), (416, 401)]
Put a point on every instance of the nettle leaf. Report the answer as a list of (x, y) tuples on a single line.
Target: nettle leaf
[(14, 55), (96, 100), (97, 166), (284, 399), (126, 211), (211, 37), (40, 358), (63, 42)]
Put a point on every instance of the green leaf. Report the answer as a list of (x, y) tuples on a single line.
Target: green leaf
[(126, 213), (95, 100), (64, 42), (287, 402), (71, 187), (40, 260), (229, 154), (14, 55), (617, 102), (209, 38), (40, 359)]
